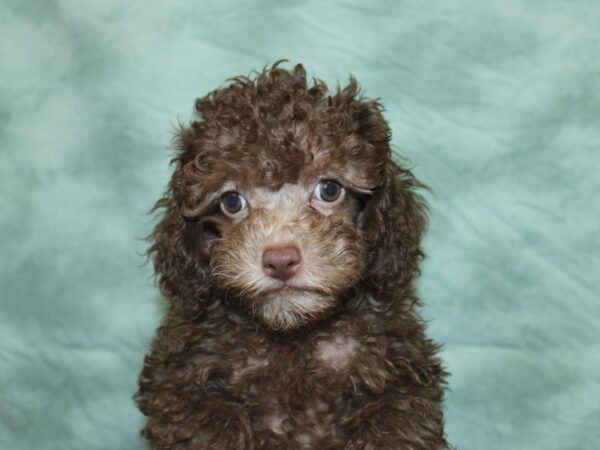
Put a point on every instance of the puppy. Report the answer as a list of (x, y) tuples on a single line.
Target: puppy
[(288, 250)]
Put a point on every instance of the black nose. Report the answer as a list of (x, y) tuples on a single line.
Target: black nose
[(281, 263)]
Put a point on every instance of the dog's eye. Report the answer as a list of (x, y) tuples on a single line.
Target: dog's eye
[(329, 191), (232, 203)]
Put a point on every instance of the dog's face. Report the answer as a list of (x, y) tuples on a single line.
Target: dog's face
[(278, 199), (289, 253)]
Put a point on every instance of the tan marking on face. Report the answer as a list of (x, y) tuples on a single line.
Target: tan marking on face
[(290, 196)]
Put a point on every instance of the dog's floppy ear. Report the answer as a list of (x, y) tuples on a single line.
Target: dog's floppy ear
[(397, 215), (176, 248)]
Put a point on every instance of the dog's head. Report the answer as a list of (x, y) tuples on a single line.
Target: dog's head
[(286, 199)]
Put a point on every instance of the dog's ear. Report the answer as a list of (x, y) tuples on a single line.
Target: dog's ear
[(181, 270), (177, 249), (396, 217)]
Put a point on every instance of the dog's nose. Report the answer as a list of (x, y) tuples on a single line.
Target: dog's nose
[(281, 263)]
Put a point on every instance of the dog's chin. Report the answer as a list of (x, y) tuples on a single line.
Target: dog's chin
[(288, 309)]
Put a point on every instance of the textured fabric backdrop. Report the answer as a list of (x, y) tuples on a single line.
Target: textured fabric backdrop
[(497, 105)]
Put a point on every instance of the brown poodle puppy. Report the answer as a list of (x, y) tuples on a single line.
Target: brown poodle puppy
[(288, 250)]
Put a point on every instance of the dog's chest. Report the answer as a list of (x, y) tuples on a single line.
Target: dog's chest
[(336, 353), (300, 392)]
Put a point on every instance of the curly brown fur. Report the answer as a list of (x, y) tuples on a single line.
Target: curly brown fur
[(333, 358)]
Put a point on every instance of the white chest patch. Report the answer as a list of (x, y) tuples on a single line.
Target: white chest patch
[(337, 352)]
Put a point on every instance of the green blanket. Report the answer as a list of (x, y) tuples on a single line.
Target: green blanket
[(497, 105)]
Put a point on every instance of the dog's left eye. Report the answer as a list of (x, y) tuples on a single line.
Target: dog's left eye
[(232, 203), (329, 191)]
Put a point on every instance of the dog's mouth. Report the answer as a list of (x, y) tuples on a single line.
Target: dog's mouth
[(291, 291), (289, 307)]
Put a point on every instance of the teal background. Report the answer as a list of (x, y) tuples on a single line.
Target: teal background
[(497, 105)]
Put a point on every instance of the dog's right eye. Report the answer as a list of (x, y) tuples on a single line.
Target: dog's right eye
[(329, 191), (232, 203)]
